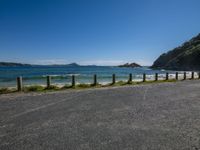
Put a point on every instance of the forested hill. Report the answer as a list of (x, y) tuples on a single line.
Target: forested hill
[(11, 64), (185, 57)]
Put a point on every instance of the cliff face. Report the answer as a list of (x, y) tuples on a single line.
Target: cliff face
[(185, 57)]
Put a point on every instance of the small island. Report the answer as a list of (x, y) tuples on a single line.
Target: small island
[(65, 65), (130, 65)]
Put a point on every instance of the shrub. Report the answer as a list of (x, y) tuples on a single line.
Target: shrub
[(67, 86), (4, 90), (84, 85), (52, 87), (34, 88)]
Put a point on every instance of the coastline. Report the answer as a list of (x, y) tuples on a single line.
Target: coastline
[(57, 86), (101, 80)]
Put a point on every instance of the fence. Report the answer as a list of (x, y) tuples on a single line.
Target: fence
[(130, 79)]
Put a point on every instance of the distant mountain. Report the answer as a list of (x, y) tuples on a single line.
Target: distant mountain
[(185, 57), (11, 64), (131, 65)]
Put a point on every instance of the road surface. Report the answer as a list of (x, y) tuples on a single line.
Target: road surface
[(162, 116)]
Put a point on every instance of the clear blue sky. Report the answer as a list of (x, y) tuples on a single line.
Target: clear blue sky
[(102, 32)]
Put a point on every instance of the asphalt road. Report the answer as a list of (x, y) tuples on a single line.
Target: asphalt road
[(162, 116)]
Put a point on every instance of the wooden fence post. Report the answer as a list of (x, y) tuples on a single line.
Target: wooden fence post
[(48, 81), (156, 77), (73, 81), (113, 79), (185, 77), (130, 78), (176, 75), (167, 76), (192, 75), (19, 83), (144, 77), (95, 80)]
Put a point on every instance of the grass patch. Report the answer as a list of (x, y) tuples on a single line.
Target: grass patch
[(159, 81), (34, 88), (52, 88), (4, 90), (121, 83), (130, 82), (7, 90), (38, 88), (83, 85), (107, 85), (67, 86), (118, 83), (97, 85)]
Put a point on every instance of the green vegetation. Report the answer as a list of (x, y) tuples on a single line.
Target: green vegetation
[(37, 88), (4, 90), (7, 90), (67, 86), (185, 57), (83, 86), (11, 64), (52, 87), (159, 81), (34, 88), (119, 83)]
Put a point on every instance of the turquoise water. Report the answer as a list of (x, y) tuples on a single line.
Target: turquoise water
[(62, 75)]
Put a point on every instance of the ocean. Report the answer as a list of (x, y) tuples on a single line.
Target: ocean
[(61, 75)]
